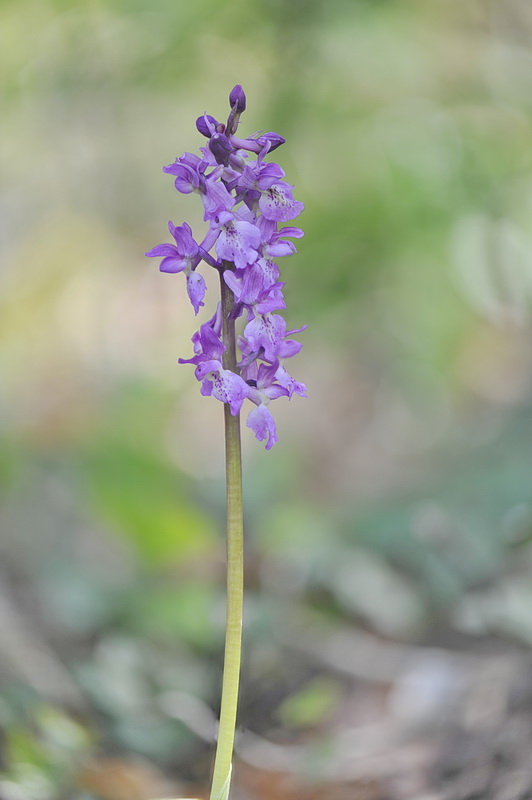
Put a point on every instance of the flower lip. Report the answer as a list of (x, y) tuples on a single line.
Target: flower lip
[(277, 203), (238, 240), (263, 426)]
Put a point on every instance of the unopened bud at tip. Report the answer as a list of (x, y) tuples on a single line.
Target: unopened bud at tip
[(238, 98)]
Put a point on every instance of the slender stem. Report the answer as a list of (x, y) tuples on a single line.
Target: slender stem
[(235, 569)]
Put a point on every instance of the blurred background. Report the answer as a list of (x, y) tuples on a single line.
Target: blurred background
[(389, 594)]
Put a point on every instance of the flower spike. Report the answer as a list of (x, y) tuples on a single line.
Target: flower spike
[(246, 201)]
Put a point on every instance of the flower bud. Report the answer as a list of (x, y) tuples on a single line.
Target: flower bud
[(274, 139), (221, 148), (238, 98), (206, 125)]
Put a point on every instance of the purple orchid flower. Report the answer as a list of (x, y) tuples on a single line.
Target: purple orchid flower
[(238, 240), (262, 390), (226, 386), (187, 175), (266, 331), (184, 256), (254, 291)]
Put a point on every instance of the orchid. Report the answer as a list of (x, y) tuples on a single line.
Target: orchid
[(244, 197)]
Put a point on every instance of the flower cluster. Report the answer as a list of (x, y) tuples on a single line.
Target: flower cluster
[(244, 199)]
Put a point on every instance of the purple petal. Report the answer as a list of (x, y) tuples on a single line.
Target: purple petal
[(173, 264), (274, 391), (234, 283), (184, 240), (161, 250), (269, 174), (281, 248), (209, 239), (292, 386), (187, 177), (289, 348), (295, 233), (212, 346), (204, 369), (246, 144), (263, 426), (266, 374), (206, 387), (270, 270), (297, 330), (216, 199), (187, 161), (273, 302), (268, 229), (252, 285), (197, 359), (185, 185)]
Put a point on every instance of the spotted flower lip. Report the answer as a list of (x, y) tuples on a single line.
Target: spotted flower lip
[(266, 331), (226, 386), (277, 203), (245, 198), (238, 240)]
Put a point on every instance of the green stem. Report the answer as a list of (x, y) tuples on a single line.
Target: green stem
[(235, 569)]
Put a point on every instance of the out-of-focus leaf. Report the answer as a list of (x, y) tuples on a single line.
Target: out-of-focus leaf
[(311, 704), (146, 501), (43, 754), (190, 612), (369, 587), (82, 599)]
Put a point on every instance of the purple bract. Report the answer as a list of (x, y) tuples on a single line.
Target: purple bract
[(244, 198)]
